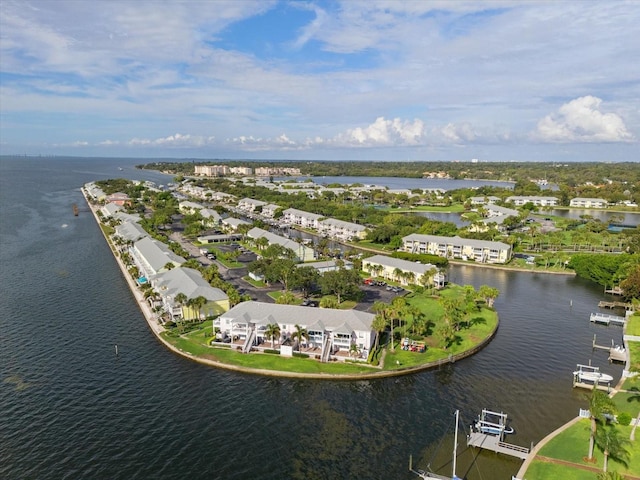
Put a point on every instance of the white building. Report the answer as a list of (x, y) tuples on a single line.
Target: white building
[(588, 202), (519, 200), (458, 248), (302, 252), (410, 272), (301, 218), (341, 230), (250, 204), (151, 256), (328, 329)]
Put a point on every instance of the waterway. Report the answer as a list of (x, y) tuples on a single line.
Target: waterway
[(404, 183), (73, 409)]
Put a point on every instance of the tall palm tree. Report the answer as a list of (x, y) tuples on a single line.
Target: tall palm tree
[(181, 299), (299, 334), (397, 274), (612, 445), (599, 404), (609, 476), (272, 331), (378, 324)]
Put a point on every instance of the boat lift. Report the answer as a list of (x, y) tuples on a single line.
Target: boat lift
[(488, 432)]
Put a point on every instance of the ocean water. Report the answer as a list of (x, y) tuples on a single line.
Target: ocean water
[(71, 409)]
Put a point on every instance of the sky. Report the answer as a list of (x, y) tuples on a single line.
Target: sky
[(317, 80)]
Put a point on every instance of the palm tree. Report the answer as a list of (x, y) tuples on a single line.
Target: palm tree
[(612, 445), (599, 405), (197, 303), (272, 331), (378, 324), (397, 274), (609, 476), (299, 334), (354, 350), (181, 299)]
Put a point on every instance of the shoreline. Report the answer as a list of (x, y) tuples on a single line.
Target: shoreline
[(158, 329)]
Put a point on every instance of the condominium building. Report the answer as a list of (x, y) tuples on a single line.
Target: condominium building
[(481, 251)]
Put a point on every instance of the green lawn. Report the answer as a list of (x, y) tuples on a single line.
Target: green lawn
[(633, 325), (482, 324), (194, 343), (572, 445)]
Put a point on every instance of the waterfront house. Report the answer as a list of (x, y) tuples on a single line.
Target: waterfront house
[(582, 202), (270, 210), (341, 230), (482, 251), (130, 232), (486, 200), (152, 257), (232, 223), (94, 192), (520, 200), (188, 281), (302, 252), (293, 216), (250, 205), (110, 209), (328, 329), (119, 198), (403, 271)]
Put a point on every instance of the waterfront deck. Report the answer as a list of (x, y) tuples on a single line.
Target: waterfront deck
[(493, 443), (603, 304), (606, 319)]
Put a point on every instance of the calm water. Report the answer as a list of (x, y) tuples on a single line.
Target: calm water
[(410, 183), (71, 409)]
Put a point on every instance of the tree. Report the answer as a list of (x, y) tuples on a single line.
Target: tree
[(197, 303), (609, 476), (286, 270), (612, 445), (631, 285), (169, 266), (287, 298), (599, 405), (340, 283), (181, 299), (272, 331), (354, 350), (262, 243), (299, 334), (489, 294), (305, 279), (378, 324)]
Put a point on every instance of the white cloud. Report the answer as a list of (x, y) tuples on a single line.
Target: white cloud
[(581, 120), (177, 140), (383, 132)]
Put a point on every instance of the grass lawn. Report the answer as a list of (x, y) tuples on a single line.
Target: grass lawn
[(255, 283), (629, 402), (481, 324), (195, 343), (633, 325), (634, 354), (572, 445)]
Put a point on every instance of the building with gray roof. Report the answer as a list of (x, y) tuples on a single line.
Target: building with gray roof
[(130, 232), (403, 271), (328, 329), (188, 281), (302, 252), (482, 251), (152, 256)]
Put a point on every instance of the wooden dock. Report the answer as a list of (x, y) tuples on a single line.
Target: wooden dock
[(603, 304), (606, 319), (493, 442), (617, 353)]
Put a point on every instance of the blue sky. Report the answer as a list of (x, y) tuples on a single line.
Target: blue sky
[(353, 80)]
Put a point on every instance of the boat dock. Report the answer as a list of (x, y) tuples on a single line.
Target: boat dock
[(606, 319), (617, 353), (603, 304), (493, 442), (488, 432), (590, 378)]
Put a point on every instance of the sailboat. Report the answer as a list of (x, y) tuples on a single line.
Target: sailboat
[(426, 475)]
